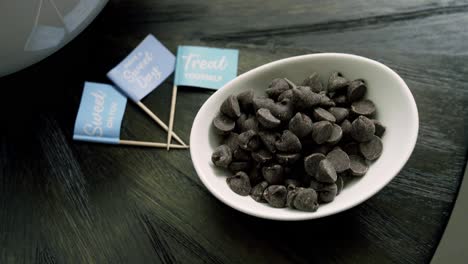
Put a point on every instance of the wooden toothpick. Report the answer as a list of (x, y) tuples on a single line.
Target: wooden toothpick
[(149, 144), (171, 116)]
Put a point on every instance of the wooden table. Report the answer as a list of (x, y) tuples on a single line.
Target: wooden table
[(63, 201)]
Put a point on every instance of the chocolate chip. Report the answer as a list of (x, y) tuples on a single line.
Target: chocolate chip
[(288, 94), (223, 124), (250, 123), (300, 125), (306, 200), (239, 183), (249, 140), (276, 87), (346, 128), (266, 119), (291, 196), (257, 192), (241, 155), (363, 107), (291, 184), (325, 101), (358, 165), (336, 82), (328, 193), (230, 107), (316, 185), (311, 163), (283, 110), (321, 131), (269, 139), (313, 81), (336, 135), (379, 128), (262, 156), (263, 102), (273, 174), (372, 149), (362, 129), (339, 159), (304, 98), (246, 100), (326, 172), (340, 100), (236, 166), (321, 114), (287, 158), (275, 195), (356, 90), (288, 142), (340, 113), (222, 156), (339, 184)]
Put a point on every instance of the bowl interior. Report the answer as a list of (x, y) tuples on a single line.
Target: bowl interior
[(396, 109)]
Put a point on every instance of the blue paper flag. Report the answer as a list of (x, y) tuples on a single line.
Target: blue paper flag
[(100, 114), (205, 67), (144, 69)]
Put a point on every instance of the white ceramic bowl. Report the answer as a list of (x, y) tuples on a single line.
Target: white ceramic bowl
[(396, 109)]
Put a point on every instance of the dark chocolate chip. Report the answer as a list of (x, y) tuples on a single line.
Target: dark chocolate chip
[(288, 142), (263, 102), (239, 183), (246, 100), (379, 128), (306, 200), (250, 123), (326, 172), (283, 110), (269, 139), (266, 119), (273, 174), (291, 184), (249, 140), (304, 98), (232, 141), (356, 90), (321, 114), (223, 124), (276, 195), (288, 94), (313, 81), (241, 155), (257, 192), (363, 107), (311, 163), (321, 131), (222, 156), (336, 82), (336, 135), (362, 129), (339, 159), (372, 149), (276, 87), (327, 193), (340, 100), (300, 125), (230, 107), (291, 196), (262, 156), (346, 128), (358, 165), (339, 184), (325, 101), (340, 113)]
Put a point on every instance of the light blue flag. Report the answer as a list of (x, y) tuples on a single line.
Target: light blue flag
[(205, 67), (144, 69), (100, 114)]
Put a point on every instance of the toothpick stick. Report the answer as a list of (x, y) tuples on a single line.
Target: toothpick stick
[(149, 144), (171, 116), (161, 123)]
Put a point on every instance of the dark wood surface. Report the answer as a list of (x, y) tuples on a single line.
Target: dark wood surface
[(70, 202)]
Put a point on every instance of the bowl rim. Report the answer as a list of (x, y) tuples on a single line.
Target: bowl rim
[(300, 217)]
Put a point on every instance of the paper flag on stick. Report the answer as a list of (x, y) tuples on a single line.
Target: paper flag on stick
[(100, 117), (142, 71), (205, 67)]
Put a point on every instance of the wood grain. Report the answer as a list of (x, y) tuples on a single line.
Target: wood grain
[(72, 202)]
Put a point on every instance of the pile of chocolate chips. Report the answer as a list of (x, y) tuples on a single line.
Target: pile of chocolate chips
[(298, 145)]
